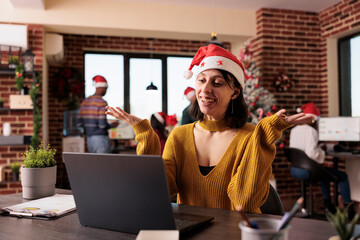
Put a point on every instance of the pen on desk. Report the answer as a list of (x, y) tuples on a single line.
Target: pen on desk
[(289, 215), (247, 223)]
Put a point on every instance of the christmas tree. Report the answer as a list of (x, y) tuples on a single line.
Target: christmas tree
[(260, 102)]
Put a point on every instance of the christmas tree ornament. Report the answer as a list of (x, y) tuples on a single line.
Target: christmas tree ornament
[(260, 102)]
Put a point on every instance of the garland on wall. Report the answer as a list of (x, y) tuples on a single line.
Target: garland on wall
[(19, 76), (34, 91)]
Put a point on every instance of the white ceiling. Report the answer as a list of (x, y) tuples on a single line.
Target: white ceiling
[(253, 5)]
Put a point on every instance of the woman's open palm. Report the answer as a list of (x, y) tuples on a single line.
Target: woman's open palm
[(297, 119), (120, 114)]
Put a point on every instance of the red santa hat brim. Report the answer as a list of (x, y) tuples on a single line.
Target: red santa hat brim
[(159, 117), (189, 92), (311, 109), (99, 81)]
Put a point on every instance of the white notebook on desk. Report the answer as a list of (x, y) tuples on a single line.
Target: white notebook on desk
[(48, 207)]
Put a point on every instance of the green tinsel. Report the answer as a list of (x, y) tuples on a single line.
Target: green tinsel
[(35, 140)]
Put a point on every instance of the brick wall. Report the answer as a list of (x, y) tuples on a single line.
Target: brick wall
[(288, 41), (295, 42), (336, 20), (21, 120)]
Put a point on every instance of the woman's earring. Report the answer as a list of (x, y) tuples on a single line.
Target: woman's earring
[(232, 106)]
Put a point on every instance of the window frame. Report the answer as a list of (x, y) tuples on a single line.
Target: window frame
[(344, 74), (127, 56)]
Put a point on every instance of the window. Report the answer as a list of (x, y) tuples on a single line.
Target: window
[(349, 75), (111, 67), (143, 103), (177, 84), (128, 75)]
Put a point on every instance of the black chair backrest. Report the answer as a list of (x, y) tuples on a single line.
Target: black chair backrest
[(299, 159), (273, 203)]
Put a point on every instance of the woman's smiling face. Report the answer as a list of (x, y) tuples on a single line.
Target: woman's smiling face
[(213, 94)]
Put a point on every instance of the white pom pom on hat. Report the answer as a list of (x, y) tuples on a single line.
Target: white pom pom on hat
[(215, 57), (188, 74)]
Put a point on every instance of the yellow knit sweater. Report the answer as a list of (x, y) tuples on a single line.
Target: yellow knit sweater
[(241, 177)]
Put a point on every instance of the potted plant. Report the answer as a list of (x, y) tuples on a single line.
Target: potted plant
[(2, 102), (38, 174), (13, 61), (339, 221), (15, 168)]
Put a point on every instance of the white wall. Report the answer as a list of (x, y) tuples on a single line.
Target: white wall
[(123, 18)]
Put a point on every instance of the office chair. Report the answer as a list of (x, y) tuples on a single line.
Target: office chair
[(273, 203), (317, 173)]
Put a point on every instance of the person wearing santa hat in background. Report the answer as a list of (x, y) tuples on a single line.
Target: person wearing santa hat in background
[(219, 161), (158, 123), (305, 137), (190, 95), (162, 124), (93, 119)]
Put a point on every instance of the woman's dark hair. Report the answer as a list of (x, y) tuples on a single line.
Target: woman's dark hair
[(156, 124), (239, 117)]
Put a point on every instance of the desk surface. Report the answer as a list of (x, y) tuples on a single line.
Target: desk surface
[(352, 168), (344, 155), (224, 226)]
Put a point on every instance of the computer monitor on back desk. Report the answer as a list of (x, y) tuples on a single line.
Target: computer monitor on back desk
[(342, 129)]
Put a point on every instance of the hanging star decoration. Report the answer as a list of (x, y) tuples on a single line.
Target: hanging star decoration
[(283, 82)]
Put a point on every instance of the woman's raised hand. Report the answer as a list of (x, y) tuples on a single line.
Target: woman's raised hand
[(120, 114), (297, 119)]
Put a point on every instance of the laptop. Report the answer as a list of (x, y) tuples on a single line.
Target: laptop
[(125, 193)]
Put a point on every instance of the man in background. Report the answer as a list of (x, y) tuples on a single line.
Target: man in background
[(305, 137), (93, 119), (190, 95)]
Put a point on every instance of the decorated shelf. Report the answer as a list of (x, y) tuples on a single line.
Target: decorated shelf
[(15, 140)]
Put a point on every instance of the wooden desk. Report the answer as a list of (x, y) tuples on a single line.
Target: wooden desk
[(224, 226), (352, 168)]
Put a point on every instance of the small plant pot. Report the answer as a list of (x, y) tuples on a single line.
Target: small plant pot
[(38, 182), (15, 177)]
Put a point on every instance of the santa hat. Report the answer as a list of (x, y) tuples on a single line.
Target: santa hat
[(310, 109), (160, 116), (100, 81), (189, 92), (171, 120), (215, 57)]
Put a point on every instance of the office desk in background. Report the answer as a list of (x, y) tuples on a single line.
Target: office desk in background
[(352, 168), (224, 226)]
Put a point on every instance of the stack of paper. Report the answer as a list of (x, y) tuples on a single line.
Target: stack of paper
[(48, 207)]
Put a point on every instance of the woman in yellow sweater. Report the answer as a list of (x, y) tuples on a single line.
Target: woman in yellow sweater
[(220, 161)]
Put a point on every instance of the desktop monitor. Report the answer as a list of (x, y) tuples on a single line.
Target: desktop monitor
[(343, 129)]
